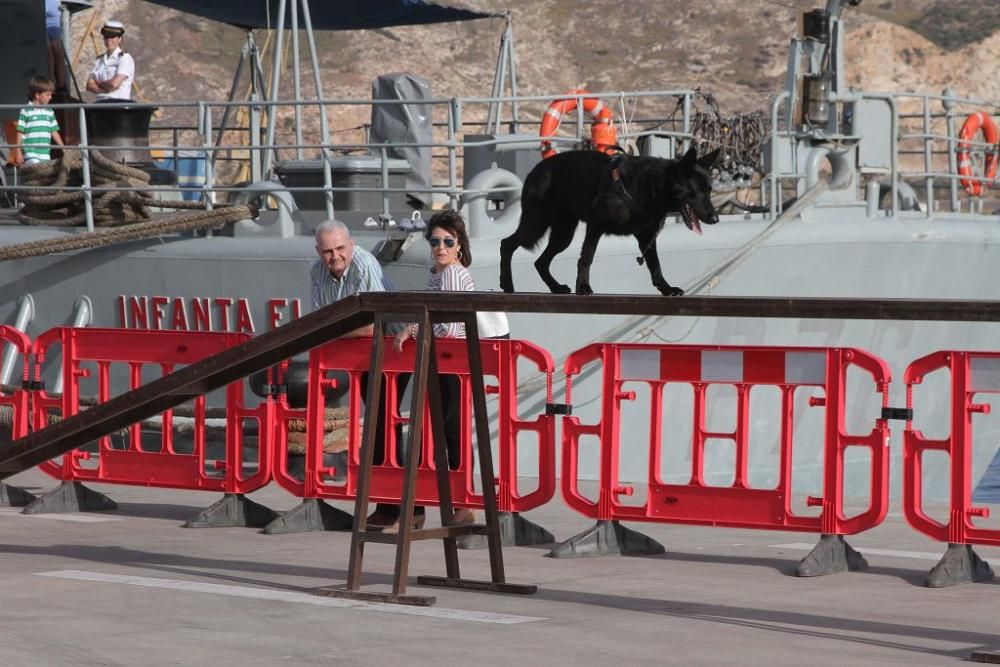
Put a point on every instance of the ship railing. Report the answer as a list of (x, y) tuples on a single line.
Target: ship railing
[(925, 134), (795, 155), (920, 156), (216, 143), (930, 128)]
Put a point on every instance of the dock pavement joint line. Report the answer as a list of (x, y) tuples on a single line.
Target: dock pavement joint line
[(865, 551), (291, 596)]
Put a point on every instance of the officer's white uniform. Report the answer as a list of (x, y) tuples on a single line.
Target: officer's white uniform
[(108, 67)]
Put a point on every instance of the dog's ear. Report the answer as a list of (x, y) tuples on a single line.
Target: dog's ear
[(690, 158), (708, 161)]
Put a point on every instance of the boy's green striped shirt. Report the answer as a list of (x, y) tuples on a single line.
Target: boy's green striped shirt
[(36, 125)]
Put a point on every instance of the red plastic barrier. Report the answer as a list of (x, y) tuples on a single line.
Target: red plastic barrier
[(500, 360), (787, 368), (132, 464), (16, 400), (971, 373)]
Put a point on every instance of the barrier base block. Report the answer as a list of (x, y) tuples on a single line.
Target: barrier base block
[(12, 496), (70, 497), (312, 514), (515, 531), (959, 565), (233, 510), (607, 538), (831, 554)]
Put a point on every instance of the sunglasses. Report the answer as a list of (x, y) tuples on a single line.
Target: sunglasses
[(448, 242)]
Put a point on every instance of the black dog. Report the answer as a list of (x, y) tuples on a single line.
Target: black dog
[(618, 195)]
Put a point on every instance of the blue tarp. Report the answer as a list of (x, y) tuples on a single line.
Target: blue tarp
[(325, 14)]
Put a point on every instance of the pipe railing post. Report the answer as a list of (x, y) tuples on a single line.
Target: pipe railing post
[(88, 195), (384, 156), (949, 118), (296, 79), (272, 109), (205, 126), (928, 158), (324, 127), (24, 314), (454, 123)]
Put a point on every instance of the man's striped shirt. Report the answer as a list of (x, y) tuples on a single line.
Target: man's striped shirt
[(363, 275), (36, 125)]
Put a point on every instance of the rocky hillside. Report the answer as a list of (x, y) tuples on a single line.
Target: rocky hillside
[(732, 48)]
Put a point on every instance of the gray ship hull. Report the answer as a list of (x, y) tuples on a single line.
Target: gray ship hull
[(253, 284)]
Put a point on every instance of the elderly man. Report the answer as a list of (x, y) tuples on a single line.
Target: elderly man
[(344, 269)]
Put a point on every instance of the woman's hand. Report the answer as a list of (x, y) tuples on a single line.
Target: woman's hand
[(401, 337)]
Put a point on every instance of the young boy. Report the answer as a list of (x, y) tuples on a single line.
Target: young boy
[(36, 127)]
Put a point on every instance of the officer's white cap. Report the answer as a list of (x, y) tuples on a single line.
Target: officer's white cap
[(113, 27)]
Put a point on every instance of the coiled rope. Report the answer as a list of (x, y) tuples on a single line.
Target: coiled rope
[(67, 208), (124, 211)]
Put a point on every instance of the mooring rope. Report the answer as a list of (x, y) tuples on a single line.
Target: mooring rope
[(169, 224), (125, 212)]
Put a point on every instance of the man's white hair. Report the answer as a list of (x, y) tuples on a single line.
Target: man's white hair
[(329, 226)]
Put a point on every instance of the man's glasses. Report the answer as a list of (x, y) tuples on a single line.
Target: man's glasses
[(448, 242)]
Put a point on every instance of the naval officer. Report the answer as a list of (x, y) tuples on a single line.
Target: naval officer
[(113, 73)]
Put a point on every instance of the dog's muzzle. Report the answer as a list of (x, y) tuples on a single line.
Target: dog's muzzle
[(691, 219)]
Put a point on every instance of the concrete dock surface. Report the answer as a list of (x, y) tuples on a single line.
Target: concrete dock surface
[(132, 587)]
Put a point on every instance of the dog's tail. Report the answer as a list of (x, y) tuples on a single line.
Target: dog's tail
[(530, 232)]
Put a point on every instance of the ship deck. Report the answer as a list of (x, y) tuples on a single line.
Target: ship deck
[(133, 587)]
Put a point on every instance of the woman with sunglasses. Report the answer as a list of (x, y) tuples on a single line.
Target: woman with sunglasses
[(450, 254)]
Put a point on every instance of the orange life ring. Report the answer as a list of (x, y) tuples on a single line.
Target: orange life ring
[(975, 122), (602, 131)]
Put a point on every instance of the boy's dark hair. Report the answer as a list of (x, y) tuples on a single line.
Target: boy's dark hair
[(40, 84)]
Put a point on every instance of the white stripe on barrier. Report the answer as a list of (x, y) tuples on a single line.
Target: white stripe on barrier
[(639, 365), (728, 366), (722, 366), (985, 373), (805, 367), (290, 596)]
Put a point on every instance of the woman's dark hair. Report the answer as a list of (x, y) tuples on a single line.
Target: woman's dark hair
[(452, 222)]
